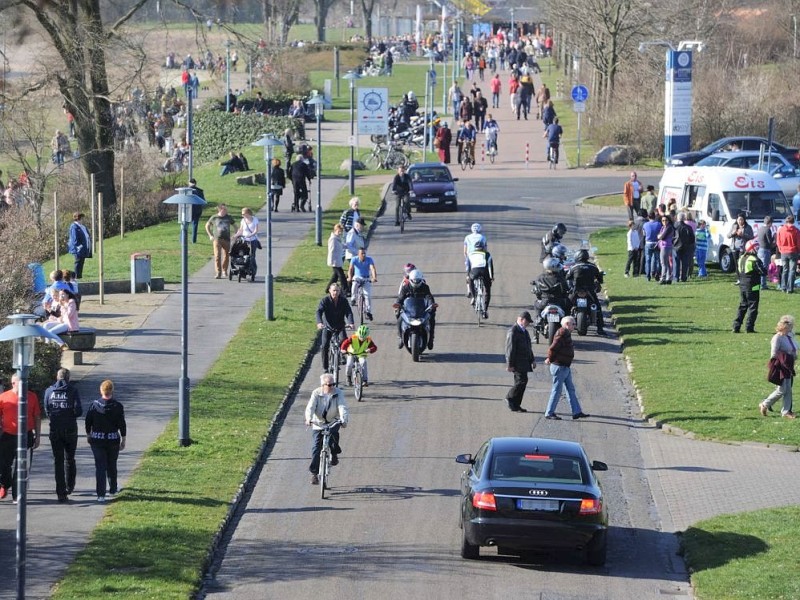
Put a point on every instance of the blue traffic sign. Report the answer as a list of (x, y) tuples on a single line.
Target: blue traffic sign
[(580, 93)]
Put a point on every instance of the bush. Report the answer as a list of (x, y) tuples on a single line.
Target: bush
[(217, 133)]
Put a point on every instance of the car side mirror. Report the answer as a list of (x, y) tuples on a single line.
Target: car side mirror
[(455, 179), (599, 466), (465, 459)]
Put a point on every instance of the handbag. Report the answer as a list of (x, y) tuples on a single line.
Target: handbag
[(774, 371)]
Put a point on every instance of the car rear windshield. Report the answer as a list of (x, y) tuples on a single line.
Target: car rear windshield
[(536, 467), (757, 205)]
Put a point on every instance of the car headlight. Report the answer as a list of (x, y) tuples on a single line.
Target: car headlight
[(412, 194), (675, 162), (450, 193)]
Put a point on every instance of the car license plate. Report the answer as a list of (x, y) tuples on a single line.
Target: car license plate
[(581, 302), (537, 504), (429, 200)]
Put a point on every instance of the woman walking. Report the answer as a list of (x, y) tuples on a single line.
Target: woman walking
[(336, 257), (106, 430), (277, 183), (782, 356), (248, 231)]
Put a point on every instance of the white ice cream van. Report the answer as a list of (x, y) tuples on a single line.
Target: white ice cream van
[(718, 195)]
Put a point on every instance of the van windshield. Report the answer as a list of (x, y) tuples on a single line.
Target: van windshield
[(757, 205)]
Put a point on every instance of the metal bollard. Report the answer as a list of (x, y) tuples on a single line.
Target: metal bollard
[(527, 154), (483, 157)]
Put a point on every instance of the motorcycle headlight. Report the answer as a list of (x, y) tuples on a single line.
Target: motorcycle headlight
[(415, 322)]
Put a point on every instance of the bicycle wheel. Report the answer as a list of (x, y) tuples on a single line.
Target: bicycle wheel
[(331, 354), (323, 470), (402, 220), (358, 381), (361, 303), (491, 156), (464, 161), (337, 358), (479, 299), (471, 162), (396, 159)]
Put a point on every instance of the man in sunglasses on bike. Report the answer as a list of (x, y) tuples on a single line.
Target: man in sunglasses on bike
[(326, 404)]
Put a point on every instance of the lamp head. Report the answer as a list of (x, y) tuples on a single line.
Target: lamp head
[(185, 198)]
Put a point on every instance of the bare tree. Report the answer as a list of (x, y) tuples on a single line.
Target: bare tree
[(279, 16), (321, 9), (367, 8)]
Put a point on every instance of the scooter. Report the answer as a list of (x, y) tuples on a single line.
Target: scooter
[(415, 316)]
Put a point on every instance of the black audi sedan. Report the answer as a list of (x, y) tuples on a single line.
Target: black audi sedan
[(526, 495)]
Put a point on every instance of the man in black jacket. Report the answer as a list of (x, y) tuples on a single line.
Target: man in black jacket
[(333, 316), (401, 188), (62, 403), (519, 360)]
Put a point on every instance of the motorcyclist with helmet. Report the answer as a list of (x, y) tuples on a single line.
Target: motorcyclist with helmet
[(406, 270), (559, 252), (479, 264), (416, 287), (552, 239), (357, 346), (584, 275), (551, 287)]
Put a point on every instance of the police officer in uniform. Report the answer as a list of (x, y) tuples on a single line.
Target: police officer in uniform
[(62, 403), (585, 275), (750, 270)]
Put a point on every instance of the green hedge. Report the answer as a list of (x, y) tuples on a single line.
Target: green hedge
[(217, 133)]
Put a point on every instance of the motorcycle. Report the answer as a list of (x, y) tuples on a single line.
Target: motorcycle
[(548, 315), (415, 316), (584, 310)]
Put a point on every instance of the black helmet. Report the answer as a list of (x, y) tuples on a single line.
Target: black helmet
[(582, 255), (479, 245), (559, 229)]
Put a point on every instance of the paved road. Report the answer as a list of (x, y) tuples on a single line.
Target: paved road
[(390, 527)]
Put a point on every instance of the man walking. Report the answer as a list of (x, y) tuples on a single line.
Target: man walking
[(788, 242), (197, 209), (80, 243), (519, 360), (62, 404), (559, 357), (218, 229), (9, 406), (631, 195)]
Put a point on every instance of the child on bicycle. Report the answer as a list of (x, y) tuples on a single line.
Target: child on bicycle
[(491, 129), (361, 274), (357, 346)]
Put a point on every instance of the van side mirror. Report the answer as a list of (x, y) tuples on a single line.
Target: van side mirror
[(715, 216)]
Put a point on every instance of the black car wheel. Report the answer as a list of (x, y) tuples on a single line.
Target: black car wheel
[(726, 261), (468, 551), (597, 549)]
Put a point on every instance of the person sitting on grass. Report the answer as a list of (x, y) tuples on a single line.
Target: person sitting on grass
[(232, 165)]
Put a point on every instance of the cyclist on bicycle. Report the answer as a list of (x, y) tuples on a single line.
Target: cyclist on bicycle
[(357, 346), (362, 272), (401, 188), (479, 264), (470, 240), (326, 404), (492, 130), (466, 138), (416, 287), (333, 316), (553, 134)]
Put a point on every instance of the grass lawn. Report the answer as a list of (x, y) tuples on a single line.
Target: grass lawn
[(750, 556), (154, 540), (692, 372), (609, 201)]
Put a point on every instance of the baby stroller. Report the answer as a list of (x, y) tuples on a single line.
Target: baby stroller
[(240, 264)]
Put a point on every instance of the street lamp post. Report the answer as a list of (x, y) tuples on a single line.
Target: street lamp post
[(351, 77), (317, 102), (185, 199), (190, 127), (228, 45), (21, 332), (269, 142), (430, 81)]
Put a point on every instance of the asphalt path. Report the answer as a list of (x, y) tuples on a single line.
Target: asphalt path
[(390, 526)]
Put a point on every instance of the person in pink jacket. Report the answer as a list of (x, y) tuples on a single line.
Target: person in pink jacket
[(68, 316)]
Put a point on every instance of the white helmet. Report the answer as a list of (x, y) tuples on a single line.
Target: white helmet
[(411, 95), (551, 264), (416, 278), (476, 228)]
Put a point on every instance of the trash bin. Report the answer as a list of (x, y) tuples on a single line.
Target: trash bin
[(140, 272)]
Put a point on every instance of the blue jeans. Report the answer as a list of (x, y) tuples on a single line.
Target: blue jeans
[(562, 376), (666, 269), (789, 269), (764, 255), (651, 260), (700, 259)]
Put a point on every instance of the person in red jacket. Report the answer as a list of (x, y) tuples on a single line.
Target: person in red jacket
[(788, 242)]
